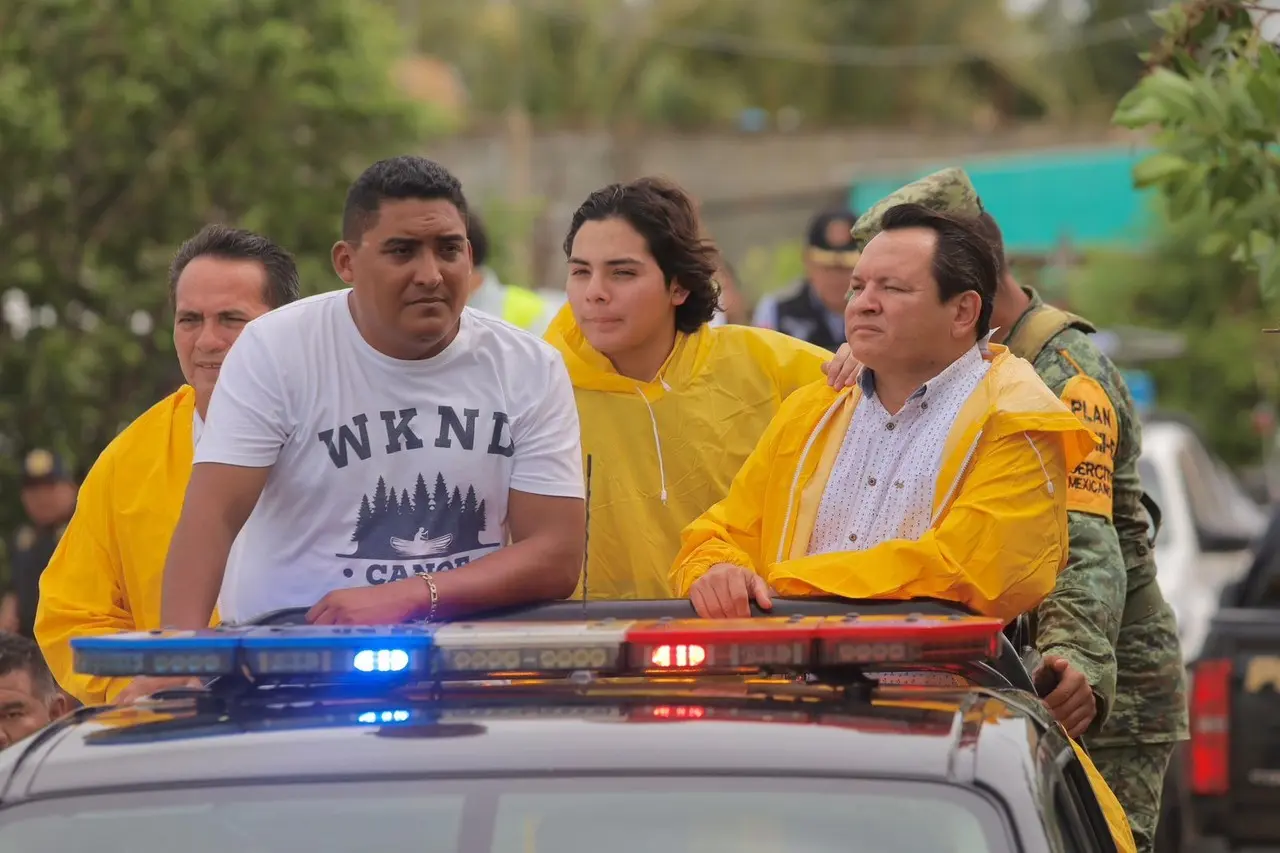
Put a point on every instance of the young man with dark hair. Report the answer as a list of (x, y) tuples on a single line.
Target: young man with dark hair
[(29, 698), (670, 406), (370, 451), (105, 575), (941, 474)]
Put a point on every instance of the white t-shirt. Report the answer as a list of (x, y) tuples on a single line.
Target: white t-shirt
[(382, 468)]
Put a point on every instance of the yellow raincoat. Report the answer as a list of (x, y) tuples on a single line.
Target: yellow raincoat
[(662, 452), (999, 534), (106, 573)]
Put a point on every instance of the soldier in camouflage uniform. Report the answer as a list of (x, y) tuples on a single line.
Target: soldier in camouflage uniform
[(1106, 617)]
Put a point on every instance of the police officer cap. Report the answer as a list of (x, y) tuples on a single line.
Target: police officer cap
[(43, 466), (829, 240), (948, 191)]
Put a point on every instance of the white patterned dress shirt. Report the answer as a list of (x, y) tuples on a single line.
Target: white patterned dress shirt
[(882, 485)]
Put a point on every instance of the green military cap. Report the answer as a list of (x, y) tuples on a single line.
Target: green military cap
[(946, 191)]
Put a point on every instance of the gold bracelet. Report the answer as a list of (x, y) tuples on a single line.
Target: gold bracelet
[(435, 595)]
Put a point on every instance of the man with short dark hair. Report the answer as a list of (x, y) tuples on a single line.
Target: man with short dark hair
[(105, 575), (813, 310), (29, 698), (1106, 628), (372, 451), (941, 475)]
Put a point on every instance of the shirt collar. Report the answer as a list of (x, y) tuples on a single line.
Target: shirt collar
[(975, 354)]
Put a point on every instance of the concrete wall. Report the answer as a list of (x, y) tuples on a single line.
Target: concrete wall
[(755, 190)]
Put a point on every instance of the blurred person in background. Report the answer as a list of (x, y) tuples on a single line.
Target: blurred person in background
[(670, 407), (813, 310), (29, 698), (733, 308), (49, 500), (107, 571), (517, 305)]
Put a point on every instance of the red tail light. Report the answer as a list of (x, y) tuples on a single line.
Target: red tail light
[(1210, 727)]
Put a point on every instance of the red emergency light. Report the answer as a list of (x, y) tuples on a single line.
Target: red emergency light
[(697, 645)]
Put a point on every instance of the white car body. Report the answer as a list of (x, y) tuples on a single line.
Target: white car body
[(1207, 525)]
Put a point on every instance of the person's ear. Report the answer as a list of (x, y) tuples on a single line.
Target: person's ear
[(342, 257), (678, 293), (968, 309), (59, 705)]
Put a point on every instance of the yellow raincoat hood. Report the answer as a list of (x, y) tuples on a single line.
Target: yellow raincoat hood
[(106, 573), (999, 534), (662, 452)]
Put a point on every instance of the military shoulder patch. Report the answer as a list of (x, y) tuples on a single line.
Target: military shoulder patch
[(1090, 479)]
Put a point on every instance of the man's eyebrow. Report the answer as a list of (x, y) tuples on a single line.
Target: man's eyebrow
[(612, 262), (12, 706)]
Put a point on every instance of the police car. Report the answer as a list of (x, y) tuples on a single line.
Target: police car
[(628, 726)]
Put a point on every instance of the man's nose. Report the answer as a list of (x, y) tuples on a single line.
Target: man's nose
[(596, 290), (212, 338), (5, 739), (427, 272), (864, 301)]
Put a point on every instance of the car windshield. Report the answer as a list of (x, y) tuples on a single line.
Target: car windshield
[(622, 815)]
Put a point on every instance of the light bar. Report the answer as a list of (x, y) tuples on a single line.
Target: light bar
[(510, 650), (872, 641), (394, 652), (208, 652), (694, 645), (476, 648)]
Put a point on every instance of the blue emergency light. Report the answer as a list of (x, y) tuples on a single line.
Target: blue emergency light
[(391, 652)]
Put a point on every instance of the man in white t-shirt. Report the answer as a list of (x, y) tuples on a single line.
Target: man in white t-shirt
[(383, 453)]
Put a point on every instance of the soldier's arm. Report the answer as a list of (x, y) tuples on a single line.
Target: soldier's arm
[(1080, 619)]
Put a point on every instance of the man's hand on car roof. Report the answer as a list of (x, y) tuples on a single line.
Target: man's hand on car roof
[(726, 591), (1069, 695)]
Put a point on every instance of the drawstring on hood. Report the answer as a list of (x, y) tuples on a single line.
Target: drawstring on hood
[(657, 439)]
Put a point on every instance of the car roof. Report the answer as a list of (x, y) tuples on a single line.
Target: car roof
[(921, 733)]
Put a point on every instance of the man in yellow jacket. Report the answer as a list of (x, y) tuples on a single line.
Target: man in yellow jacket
[(670, 406), (942, 475), (106, 573)]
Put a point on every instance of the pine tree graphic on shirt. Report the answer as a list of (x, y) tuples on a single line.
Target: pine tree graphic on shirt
[(424, 524)]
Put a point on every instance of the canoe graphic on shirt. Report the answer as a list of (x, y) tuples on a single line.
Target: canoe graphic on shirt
[(401, 524), (420, 545)]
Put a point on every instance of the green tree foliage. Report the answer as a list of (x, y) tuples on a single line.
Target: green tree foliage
[(1215, 305), (699, 63), (1212, 98), (124, 127)]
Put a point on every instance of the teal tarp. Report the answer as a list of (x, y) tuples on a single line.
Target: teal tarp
[(1040, 199)]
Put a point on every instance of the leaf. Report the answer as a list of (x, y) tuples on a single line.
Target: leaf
[(1158, 168)]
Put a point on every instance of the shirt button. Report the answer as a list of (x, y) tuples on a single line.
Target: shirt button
[(871, 481), (890, 425), (853, 537), (924, 405)]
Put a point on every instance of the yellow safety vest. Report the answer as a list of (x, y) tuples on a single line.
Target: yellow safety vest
[(521, 307)]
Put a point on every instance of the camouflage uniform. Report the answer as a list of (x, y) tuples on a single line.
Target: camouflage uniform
[(1106, 615)]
